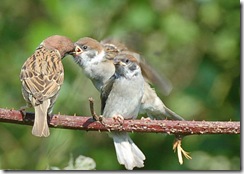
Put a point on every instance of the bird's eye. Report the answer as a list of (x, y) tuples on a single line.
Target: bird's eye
[(127, 61), (84, 47)]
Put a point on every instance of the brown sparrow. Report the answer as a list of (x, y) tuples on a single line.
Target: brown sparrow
[(41, 77), (121, 97), (96, 60)]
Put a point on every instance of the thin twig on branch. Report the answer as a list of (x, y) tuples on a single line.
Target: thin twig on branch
[(149, 126), (94, 115)]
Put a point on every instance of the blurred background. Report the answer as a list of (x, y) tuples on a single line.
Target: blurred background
[(194, 43)]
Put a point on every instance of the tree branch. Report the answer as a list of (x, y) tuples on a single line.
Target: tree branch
[(109, 124)]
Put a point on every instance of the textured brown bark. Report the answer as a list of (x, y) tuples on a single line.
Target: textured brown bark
[(149, 126)]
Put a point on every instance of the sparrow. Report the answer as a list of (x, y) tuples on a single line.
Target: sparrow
[(96, 60), (41, 77), (113, 46), (121, 99)]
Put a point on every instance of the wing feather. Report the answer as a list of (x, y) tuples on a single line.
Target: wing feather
[(42, 74), (105, 91)]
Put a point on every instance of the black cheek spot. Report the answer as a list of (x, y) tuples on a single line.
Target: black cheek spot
[(91, 54), (132, 67)]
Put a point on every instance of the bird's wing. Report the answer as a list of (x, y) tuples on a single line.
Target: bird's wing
[(105, 91), (110, 51), (152, 76), (42, 74), (114, 43)]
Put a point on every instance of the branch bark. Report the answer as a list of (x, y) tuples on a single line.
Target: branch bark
[(109, 124)]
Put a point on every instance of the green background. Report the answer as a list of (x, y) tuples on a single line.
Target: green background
[(194, 43)]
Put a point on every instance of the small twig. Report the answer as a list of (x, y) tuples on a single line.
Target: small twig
[(96, 117), (180, 150), (93, 113)]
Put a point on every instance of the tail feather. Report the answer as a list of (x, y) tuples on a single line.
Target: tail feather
[(172, 114), (153, 106), (40, 127), (127, 152)]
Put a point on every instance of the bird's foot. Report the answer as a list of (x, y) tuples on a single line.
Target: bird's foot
[(119, 119), (23, 112), (146, 119)]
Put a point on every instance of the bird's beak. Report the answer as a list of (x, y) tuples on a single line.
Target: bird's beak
[(76, 51), (116, 61), (122, 63), (72, 52), (119, 62)]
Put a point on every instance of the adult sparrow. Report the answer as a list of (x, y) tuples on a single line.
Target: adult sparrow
[(121, 98), (41, 77), (96, 60)]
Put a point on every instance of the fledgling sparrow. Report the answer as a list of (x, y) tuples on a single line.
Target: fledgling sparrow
[(41, 77), (121, 97), (96, 60), (113, 47)]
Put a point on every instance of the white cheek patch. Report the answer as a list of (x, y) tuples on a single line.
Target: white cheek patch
[(130, 73), (98, 58), (87, 61)]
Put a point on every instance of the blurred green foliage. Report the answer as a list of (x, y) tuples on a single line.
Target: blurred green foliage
[(195, 43)]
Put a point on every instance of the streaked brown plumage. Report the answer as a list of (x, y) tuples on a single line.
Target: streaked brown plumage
[(42, 76)]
